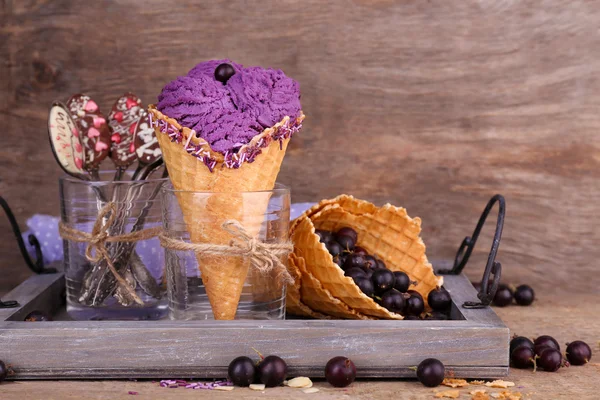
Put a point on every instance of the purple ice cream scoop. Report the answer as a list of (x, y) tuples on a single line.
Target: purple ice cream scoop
[(229, 115)]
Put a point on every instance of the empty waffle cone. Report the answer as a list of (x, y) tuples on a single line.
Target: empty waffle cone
[(387, 232), (223, 277)]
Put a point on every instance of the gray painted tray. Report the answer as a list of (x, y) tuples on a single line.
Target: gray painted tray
[(474, 344)]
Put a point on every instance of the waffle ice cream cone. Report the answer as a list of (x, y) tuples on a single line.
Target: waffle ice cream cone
[(387, 232), (194, 167)]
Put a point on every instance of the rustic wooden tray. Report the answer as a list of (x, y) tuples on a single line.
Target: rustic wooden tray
[(474, 344)]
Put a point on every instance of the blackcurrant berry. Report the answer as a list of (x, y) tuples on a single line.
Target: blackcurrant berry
[(550, 359), (544, 341), (401, 281), (383, 280), (340, 371), (346, 242), (354, 261), (360, 250), (503, 296), (380, 264), (223, 72), (393, 301), (324, 236), (241, 371), (365, 285), (431, 372), (524, 295), (519, 341), (578, 353), (348, 232), (370, 262), (272, 371), (439, 300), (414, 305), (522, 357), (355, 272), (334, 248)]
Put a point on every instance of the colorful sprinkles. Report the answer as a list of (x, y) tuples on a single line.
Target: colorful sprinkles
[(177, 383), (246, 153)]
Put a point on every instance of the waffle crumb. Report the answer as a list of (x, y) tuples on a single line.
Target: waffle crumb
[(454, 383), (477, 383), (477, 391), (480, 396), (224, 388), (300, 382), (310, 390), (500, 384), (257, 386), (450, 394), (507, 395)]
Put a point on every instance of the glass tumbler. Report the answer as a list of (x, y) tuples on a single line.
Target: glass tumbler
[(93, 292), (215, 218)]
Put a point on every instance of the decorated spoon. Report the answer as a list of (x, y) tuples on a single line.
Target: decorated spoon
[(95, 135), (65, 141), (146, 146), (122, 121)]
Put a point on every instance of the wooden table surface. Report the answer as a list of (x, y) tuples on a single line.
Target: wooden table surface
[(567, 318)]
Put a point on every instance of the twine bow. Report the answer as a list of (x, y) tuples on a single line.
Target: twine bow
[(100, 235), (264, 257)]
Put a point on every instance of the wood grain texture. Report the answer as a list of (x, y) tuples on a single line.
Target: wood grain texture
[(431, 105), (475, 346)]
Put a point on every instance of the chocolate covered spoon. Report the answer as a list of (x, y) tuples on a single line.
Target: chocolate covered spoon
[(146, 146), (65, 141), (122, 121), (95, 135)]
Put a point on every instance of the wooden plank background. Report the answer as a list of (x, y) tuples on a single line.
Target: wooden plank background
[(432, 105)]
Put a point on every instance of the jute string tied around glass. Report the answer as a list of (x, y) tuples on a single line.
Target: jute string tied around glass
[(264, 257), (100, 235)]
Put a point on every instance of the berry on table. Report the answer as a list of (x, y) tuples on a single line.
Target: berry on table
[(541, 342), (523, 357), (549, 359), (578, 353), (519, 341), (431, 372), (503, 296), (340, 371), (272, 371), (524, 295), (242, 371)]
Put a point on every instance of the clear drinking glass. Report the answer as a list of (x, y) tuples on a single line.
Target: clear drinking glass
[(92, 290), (264, 215)]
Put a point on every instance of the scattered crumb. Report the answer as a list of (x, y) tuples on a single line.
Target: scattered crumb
[(500, 384), (310, 390), (300, 382), (477, 383), (285, 383), (480, 396), (454, 383), (507, 395), (224, 388), (257, 386), (451, 394), (477, 391)]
